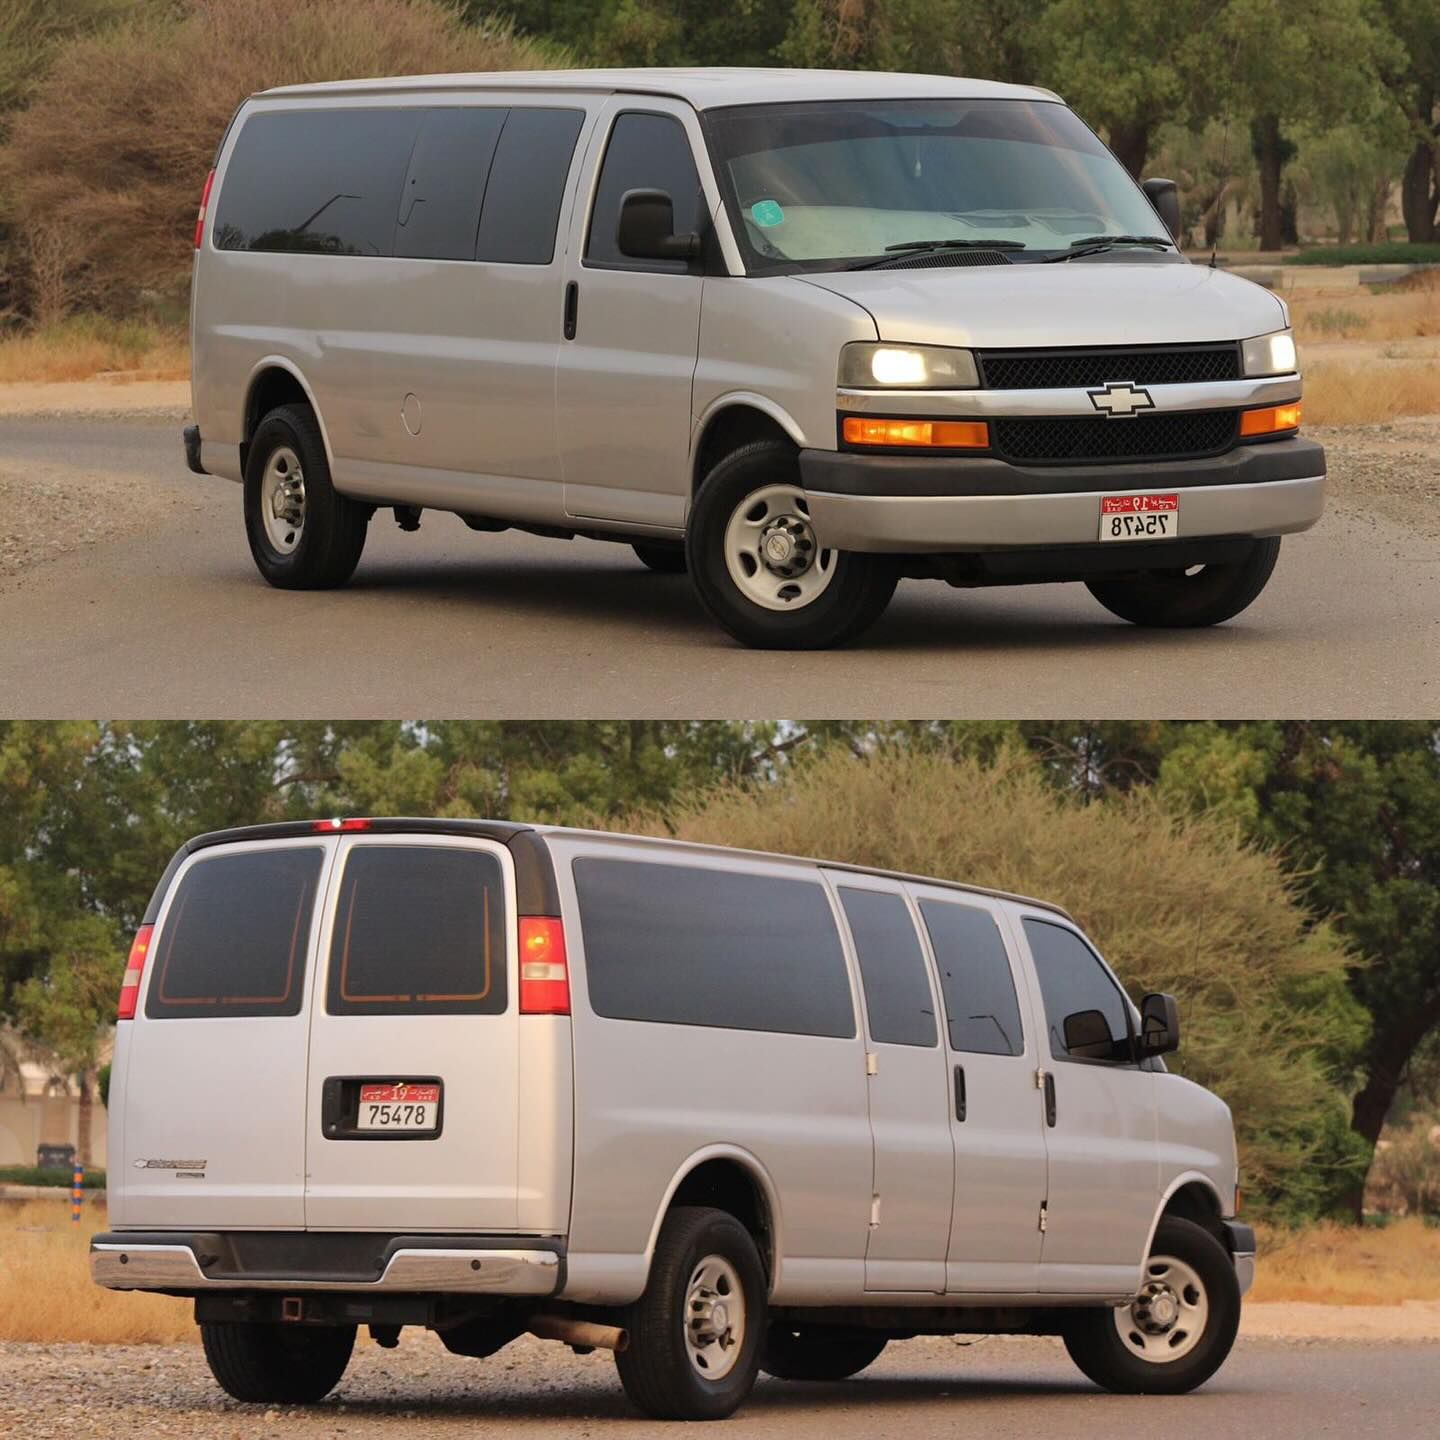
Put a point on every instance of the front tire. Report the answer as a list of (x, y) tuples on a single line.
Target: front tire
[(304, 535), (760, 569), (1177, 599), (275, 1364), (1177, 1332), (797, 1354), (695, 1333)]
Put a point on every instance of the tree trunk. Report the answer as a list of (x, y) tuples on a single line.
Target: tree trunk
[(1270, 154), (1419, 193), (86, 1119), (1130, 142)]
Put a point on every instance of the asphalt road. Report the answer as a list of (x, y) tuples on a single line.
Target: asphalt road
[(161, 613), (1282, 1390)]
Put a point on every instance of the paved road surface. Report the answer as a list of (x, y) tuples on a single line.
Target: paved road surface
[(165, 615), (998, 1388)]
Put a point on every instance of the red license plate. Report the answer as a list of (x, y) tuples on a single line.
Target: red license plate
[(1139, 517)]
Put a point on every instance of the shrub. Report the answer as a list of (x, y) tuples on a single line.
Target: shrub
[(35, 1175), (1174, 902), (104, 169)]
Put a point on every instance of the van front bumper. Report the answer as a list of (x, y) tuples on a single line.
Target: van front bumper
[(1241, 1240), (294, 1261), (902, 504)]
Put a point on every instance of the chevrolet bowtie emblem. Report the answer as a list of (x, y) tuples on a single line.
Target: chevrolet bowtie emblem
[(1120, 399)]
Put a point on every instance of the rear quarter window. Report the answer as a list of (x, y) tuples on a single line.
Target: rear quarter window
[(235, 938), (686, 945), (419, 929)]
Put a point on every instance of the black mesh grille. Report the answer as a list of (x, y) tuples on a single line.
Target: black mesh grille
[(1078, 439), (938, 259), (1061, 369)]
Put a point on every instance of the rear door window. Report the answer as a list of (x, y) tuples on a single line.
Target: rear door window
[(981, 1009), (527, 186), (898, 1002), (440, 200), (686, 945), (316, 181), (419, 930), (235, 938)]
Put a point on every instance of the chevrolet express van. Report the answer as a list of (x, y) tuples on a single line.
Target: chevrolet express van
[(737, 320), (713, 1110)]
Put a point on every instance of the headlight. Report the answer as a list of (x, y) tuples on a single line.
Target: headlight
[(866, 365), (1269, 354)]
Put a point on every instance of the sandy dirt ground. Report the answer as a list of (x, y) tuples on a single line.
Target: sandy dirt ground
[(97, 397)]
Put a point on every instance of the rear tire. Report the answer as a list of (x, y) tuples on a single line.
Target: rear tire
[(798, 596), (303, 533), (1139, 1349), (1176, 599), (275, 1364), (695, 1333), (661, 558), (798, 1354)]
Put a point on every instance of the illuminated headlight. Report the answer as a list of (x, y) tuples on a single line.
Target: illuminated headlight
[(1269, 354), (865, 365)]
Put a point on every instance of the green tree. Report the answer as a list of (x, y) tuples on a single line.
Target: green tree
[(1412, 80)]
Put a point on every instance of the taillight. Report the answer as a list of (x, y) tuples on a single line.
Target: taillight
[(204, 206), (339, 826), (544, 976), (134, 969)]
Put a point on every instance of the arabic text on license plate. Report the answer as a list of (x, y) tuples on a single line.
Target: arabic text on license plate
[(1139, 517), (398, 1107)]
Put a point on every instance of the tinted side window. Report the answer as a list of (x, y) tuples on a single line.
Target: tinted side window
[(527, 185), (975, 979), (419, 929), (312, 180), (892, 968), (1072, 980), (691, 946), (646, 152), (440, 200), (235, 938)]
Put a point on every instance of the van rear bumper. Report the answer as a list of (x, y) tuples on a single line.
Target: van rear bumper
[(925, 504), (294, 1261)]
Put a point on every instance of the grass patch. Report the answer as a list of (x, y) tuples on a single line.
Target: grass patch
[(34, 1175), (85, 346), (1408, 310), (1393, 253), (47, 1295), (1344, 1265), (1367, 392)]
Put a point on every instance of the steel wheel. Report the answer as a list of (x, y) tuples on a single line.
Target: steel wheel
[(282, 499), (714, 1317), (1167, 1318), (771, 552)]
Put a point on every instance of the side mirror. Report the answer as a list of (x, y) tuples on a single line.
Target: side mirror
[(647, 228), (1159, 1026), (1164, 195), (1087, 1035)]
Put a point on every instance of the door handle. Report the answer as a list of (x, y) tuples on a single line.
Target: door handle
[(572, 308), (959, 1092), (1049, 1097)]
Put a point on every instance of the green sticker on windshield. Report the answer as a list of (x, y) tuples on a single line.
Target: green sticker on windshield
[(767, 213)]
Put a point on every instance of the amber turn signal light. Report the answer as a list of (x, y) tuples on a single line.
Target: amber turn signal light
[(934, 434), (1270, 420)]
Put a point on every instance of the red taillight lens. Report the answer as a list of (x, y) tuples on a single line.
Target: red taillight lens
[(337, 826), (204, 206), (544, 975), (134, 969)]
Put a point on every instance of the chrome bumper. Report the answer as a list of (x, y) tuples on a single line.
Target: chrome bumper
[(1245, 1272), (118, 1266)]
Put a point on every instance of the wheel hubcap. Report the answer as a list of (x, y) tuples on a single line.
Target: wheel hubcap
[(1167, 1319), (282, 500), (714, 1317), (771, 551)]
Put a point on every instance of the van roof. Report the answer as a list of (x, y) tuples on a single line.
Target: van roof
[(505, 831), (704, 88)]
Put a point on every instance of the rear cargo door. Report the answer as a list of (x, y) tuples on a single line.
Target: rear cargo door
[(413, 1108), (214, 1089)]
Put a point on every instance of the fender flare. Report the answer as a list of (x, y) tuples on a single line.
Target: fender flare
[(742, 400), (283, 362), (1186, 1177)]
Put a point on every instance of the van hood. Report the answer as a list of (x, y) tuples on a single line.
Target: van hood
[(1081, 302)]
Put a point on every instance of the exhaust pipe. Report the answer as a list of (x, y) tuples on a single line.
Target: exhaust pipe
[(584, 1333)]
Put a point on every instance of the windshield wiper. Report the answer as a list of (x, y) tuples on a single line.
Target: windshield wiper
[(907, 247), (1097, 244)]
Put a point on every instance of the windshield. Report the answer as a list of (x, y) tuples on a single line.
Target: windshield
[(819, 185)]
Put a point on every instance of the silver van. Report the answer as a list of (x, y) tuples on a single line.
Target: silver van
[(729, 318), (716, 1111)]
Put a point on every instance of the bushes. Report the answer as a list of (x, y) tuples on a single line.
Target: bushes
[(1397, 252), (103, 171), (1174, 903)]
